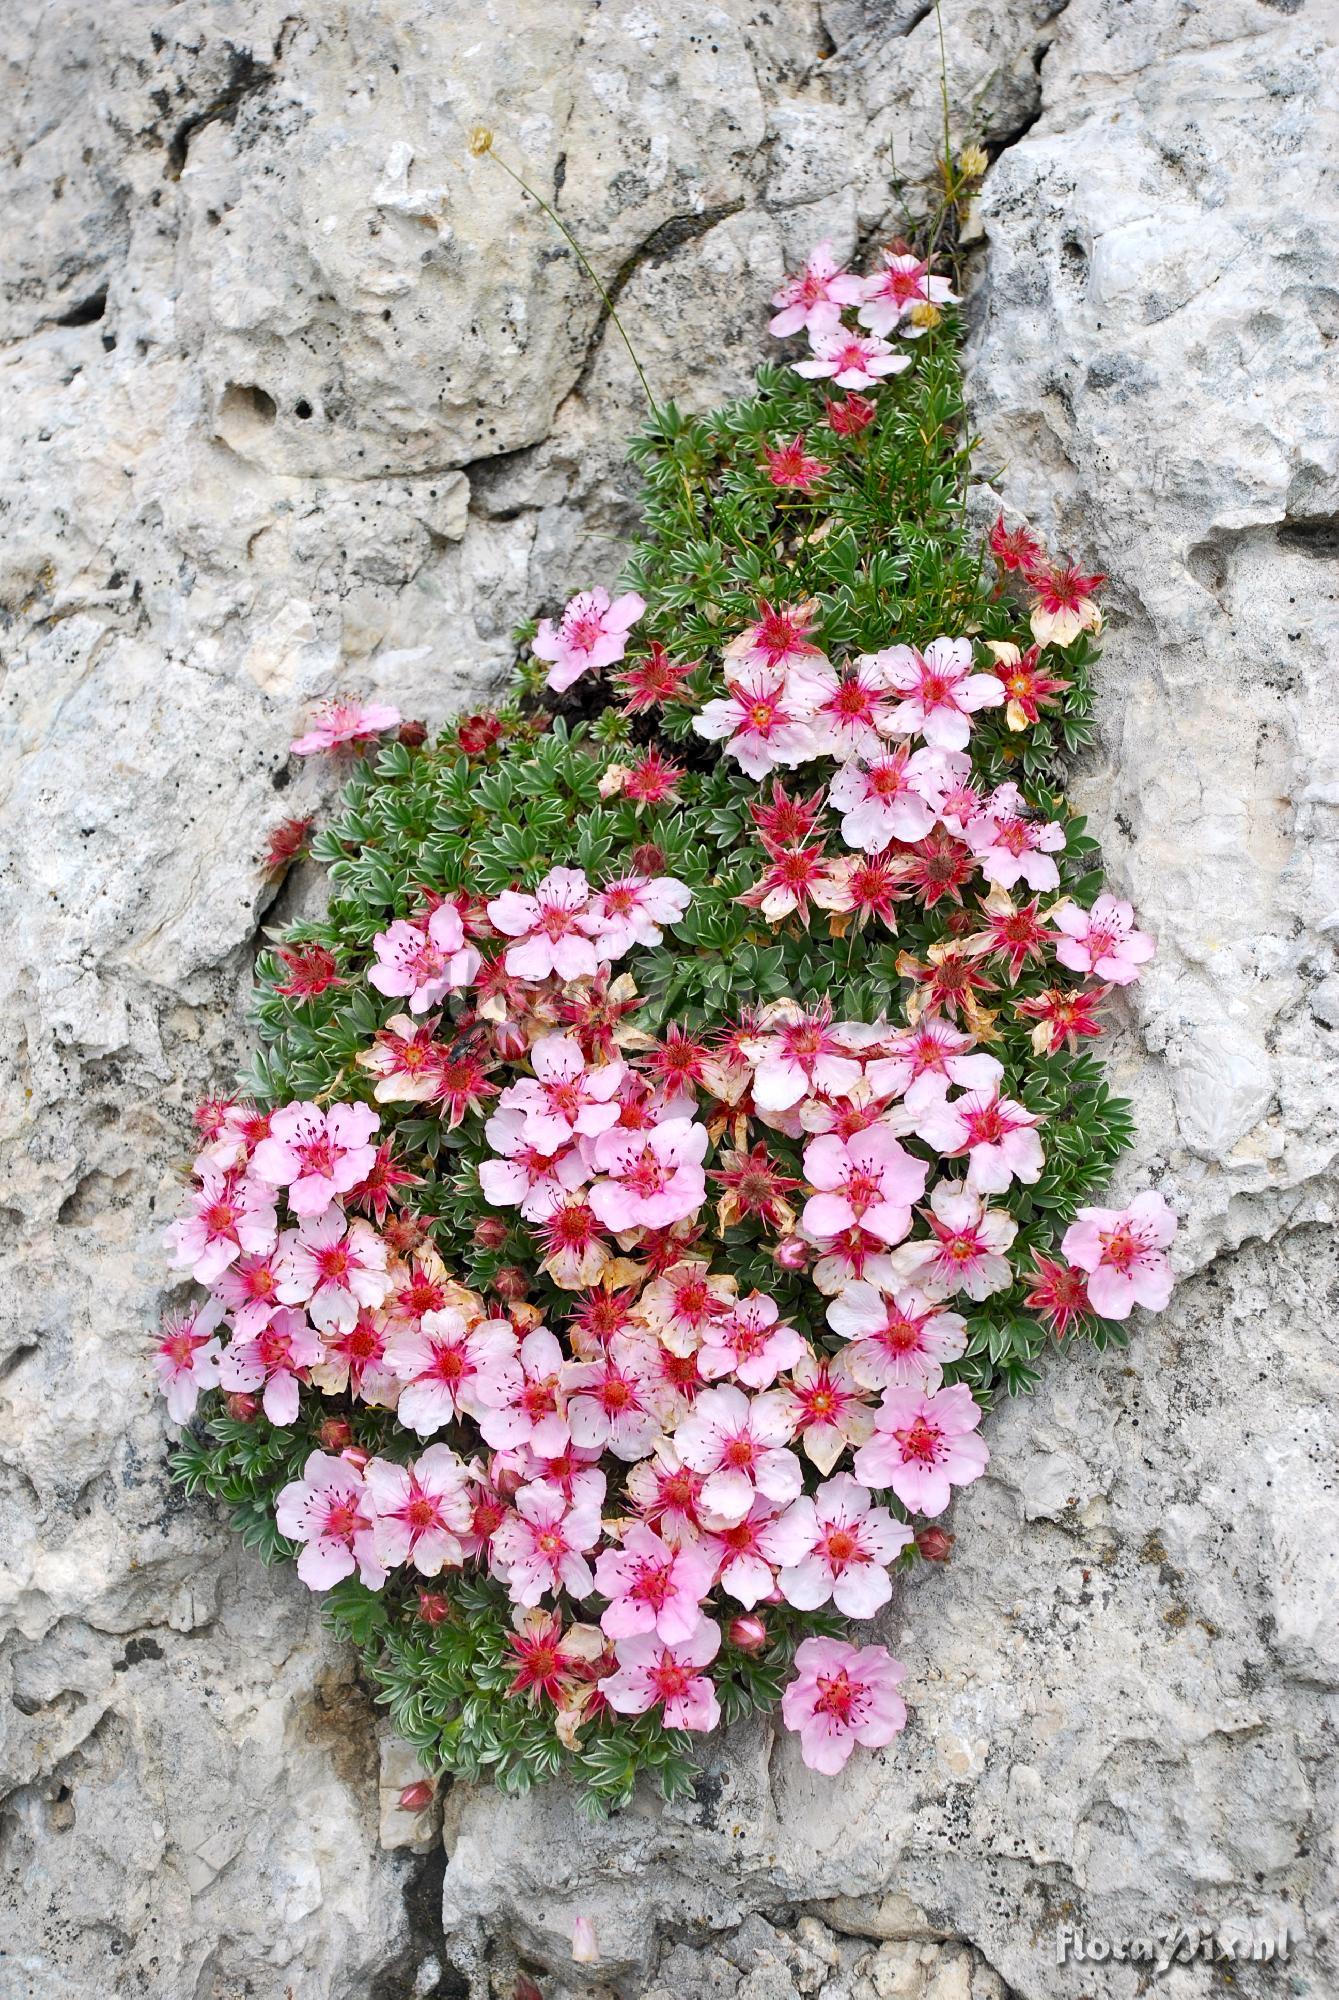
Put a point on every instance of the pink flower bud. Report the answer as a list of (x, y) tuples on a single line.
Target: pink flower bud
[(242, 1407), (791, 1253), (648, 859), (585, 1951), (336, 1433), (773, 1597), (433, 1608), (490, 1232), (509, 1041), (417, 1797), (413, 735), (935, 1544), (748, 1633), (508, 1480), (354, 1455), (510, 1283)]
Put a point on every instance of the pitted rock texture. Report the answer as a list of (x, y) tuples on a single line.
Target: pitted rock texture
[(299, 396)]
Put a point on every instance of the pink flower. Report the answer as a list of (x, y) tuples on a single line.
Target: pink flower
[(939, 691), (763, 721), (187, 1358), (836, 1546), (337, 724), (422, 1509), (354, 1358), (279, 1355), (1009, 845), (592, 632), (870, 1179), (333, 1267), (653, 1178), (565, 1096), (998, 1136), (525, 1176), (631, 910), (424, 961), (923, 1446), (886, 799), (800, 1055), (1123, 1251), (897, 1342), (779, 641), (848, 710), (965, 1252), (541, 1546), (652, 1674), (740, 1564), (1065, 603), (611, 1401), (816, 295), (750, 1344), (317, 1155), (227, 1214), (1102, 941), (851, 360), (535, 1410), (452, 1369), (553, 928), (842, 1695), (250, 1290), (665, 1493), (330, 1510), (931, 1050), (826, 1407), (740, 1446), (682, 1306), (890, 295), (652, 1587)]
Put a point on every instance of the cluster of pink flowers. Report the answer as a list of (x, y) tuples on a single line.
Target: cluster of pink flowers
[(902, 297)]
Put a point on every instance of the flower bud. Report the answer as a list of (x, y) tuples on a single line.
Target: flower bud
[(747, 1632), (241, 1406), (418, 1797), (490, 1232), (354, 1455), (508, 1479), (791, 1253), (413, 735), (336, 1433), (585, 1951), (935, 1544), (433, 1608), (510, 1283), (648, 859)]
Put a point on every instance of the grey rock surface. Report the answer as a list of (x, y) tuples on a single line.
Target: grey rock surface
[(297, 396)]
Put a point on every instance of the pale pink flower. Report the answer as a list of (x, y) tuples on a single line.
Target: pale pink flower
[(1124, 1253), (535, 1410), (422, 1509), (317, 1155), (939, 690), (227, 1214), (652, 1178), (885, 799), (1009, 845), (336, 725), (739, 1444), (761, 721), (799, 1055), (187, 1357), (778, 641), (815, 296), (917, 1057), (630, 910), (851, 360), (965, 1252), (330, 1510), (836, 1546), (923, 1446), (897, 1342), (652, 1587), (592, 632), (524, 1176), (333, 1267), (870, 1180), (752, 1343), (566, 1095), (279, 1355), (541, 1546), (611, 1400), (842, 1695), (827, 1407), (553, 928), (354, 1358), (681, 1307), (424, 961), (452, 1369), (665, 1493), (847, 709), (890, 295), (652, 1674), (739, 1561), (998, 1136), (250, 1290), (1103, 941)]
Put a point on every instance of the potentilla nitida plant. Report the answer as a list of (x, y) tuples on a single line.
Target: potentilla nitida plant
[(684, 1121)]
